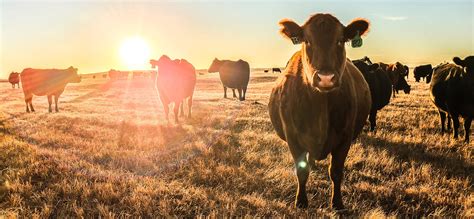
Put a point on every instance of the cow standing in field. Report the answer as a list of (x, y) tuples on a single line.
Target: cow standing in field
[(276, 70), (422, 71), (175, 82), (233, 74), (452, 92), (380, 87), (321, 102), (14, 79), (46, 82), (396, 72)]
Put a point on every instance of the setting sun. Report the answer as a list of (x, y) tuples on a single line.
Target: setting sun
[(135, 53)]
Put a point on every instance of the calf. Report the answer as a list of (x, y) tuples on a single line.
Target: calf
[(321, 102)]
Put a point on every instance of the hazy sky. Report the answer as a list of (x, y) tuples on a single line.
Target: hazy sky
[(88, 34)]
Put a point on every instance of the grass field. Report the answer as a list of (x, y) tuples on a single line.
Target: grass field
[(109, 152)]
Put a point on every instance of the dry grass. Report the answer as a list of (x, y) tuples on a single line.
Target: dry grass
[(109, 152)]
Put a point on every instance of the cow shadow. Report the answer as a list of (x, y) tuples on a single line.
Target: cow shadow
[(421, 153)]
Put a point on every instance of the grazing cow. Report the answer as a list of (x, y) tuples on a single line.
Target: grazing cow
[(266, 70), (276, 70), (118, 75), (452, 92), (46, 82), (422, 71), (233, 74), (321, 102), (175, 82), (14, 78), (380, 87), (396, 72), (402, 84)]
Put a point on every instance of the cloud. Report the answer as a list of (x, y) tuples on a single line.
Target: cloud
[(394, 18)]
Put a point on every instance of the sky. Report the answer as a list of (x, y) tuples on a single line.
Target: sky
[(89, 34)]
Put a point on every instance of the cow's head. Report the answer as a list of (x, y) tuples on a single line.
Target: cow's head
[(215, 65), (73, 76), (323, 53), (467, 63), (407, 89), (162, 62)]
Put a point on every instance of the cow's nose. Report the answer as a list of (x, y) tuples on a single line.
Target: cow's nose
[(325, 80)]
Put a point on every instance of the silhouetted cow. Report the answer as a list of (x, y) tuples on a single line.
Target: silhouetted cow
[(452, 92), (175, 82), (14, 78), (422, 71), (396, 72), (321, 102), (46, 82), (233, 74), (380, 87), (276, 70)]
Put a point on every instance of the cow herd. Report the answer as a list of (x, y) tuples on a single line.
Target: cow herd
[(318, 106)]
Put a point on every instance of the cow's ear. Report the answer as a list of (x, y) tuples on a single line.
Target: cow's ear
[(292, 31), (458, 61), (356, 27)]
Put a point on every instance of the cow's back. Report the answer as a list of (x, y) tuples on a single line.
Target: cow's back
[(234, 74), (42, 82)]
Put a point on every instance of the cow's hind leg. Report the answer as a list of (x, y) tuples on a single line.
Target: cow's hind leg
[(442, 116), (245, 92), (50, 102), (56, 98), (373, 120), (233, 93), (181, 108), (240, 94), (449, 122), (190, 105), (225, 92), (176, 109), (302, 172), (336, 172), (456, 125), (467, 127), (26, 103)]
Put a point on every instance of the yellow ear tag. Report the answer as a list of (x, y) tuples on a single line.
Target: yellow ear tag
[(356, 41)]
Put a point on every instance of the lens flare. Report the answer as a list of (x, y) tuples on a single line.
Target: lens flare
[(135, 53)]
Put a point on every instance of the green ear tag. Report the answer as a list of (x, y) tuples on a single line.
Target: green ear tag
[(357, 41), (295, 40)]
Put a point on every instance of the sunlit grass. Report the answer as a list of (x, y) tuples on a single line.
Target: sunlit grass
[(109, 152)]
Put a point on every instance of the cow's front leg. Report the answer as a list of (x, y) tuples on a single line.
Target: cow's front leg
[(302, 172), (336, 172), (50, 102)]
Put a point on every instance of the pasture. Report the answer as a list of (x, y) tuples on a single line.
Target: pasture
[(109, 152)]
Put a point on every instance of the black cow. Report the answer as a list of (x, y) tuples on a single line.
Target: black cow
[(452, 92), (422, 71), (402, 84), (276, 70), (380, 87)]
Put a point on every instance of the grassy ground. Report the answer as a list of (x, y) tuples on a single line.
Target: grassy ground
[(109, 152)]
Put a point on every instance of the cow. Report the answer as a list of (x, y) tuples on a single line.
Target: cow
[(118, 75), (266, 70), (396, 72), (175, 82), (233, 74), (422, 71), (46, 82), (402, 84), (14, 79), (452, 92), (276, 70), (321, 102), (379, 84)]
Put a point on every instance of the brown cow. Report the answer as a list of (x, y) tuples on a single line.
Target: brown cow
[(395, 72), (233, 74), (46, 82), (321, 103), (14, 78), (175, 82)]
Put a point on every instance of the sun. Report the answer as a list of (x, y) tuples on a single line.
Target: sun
[(135, 53)]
